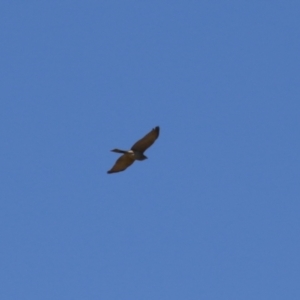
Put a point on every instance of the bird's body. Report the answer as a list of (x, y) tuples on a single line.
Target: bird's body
[(136, 152)]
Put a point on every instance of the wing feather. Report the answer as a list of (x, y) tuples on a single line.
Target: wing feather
[(122, 163), (144, 143)]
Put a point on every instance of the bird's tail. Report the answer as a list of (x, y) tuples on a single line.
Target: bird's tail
[(119, 151)]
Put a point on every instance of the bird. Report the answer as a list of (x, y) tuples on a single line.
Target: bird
[(135, 153)]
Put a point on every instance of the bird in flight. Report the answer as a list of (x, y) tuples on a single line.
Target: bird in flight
[(136, 152)]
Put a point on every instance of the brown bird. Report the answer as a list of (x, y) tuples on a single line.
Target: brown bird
[(136, 152)]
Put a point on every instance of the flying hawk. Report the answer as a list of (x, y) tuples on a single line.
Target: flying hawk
[(136, 152)]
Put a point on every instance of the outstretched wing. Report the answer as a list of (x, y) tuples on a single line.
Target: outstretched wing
[(122, 163), (144, 143)]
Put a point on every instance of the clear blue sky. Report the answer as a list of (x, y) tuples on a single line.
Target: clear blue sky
[(213, 213)]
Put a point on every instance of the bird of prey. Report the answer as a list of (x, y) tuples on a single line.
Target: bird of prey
[(136, 152)]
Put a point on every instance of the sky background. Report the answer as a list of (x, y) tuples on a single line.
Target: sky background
[(213, 213)]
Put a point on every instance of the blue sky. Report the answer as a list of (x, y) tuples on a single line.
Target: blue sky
[(213, 213)]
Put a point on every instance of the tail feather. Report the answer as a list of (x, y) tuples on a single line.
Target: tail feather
[(119, 151)]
